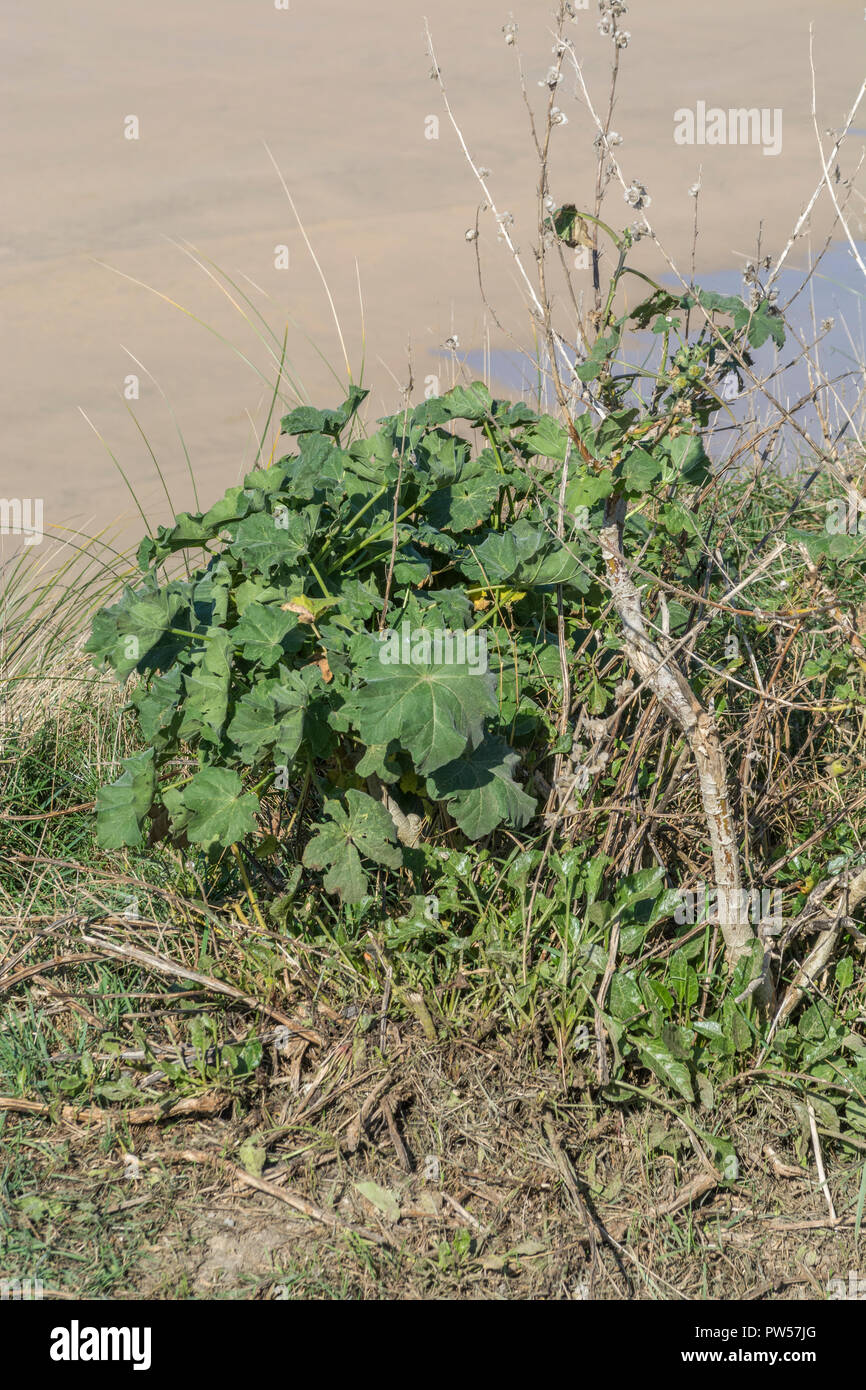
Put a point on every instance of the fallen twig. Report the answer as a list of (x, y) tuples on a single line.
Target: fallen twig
[(210, 1104), (819, 1161), (167, 967)]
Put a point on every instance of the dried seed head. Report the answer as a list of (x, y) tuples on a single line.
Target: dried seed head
[(552, 78), (636, 196)]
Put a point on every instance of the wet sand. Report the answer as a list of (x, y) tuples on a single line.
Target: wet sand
[(341, 95)]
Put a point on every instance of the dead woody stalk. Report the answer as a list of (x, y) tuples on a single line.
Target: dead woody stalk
[(666, 681)]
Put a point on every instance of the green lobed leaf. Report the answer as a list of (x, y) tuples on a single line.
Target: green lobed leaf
[(144, 631), (361, 829), (639, 471), (480, 791), (261, 635), (545, 439), (121, 807), (158, 706), (472, 402), (265, 541), (688, 455), (273, 717), (526, 555), (206, 685), (469, 499), (213, 808), (434, 711), (306, 419)]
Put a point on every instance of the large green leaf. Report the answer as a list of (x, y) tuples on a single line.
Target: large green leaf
[(264, 541), (460, 403), (254, 724), (213, 808), (249, 592), (378, 761), (306, 419), (321, 467), (235, 504), (435, 711), (362, 829), (187, 531), (689, 456), (145, 631), (373, 459), (122, 807), (640, 470), (207, 689), (712, 300), (158, 707), (587, 489), (509, 414), (464, 503), (525, 555), (675, 1074), (469, 499), (480, 791), (261, 635), (546, 438), (270, 718), (766, 322), (210, 595)]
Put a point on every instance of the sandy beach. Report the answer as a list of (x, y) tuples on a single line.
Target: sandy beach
[(342, 97)]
